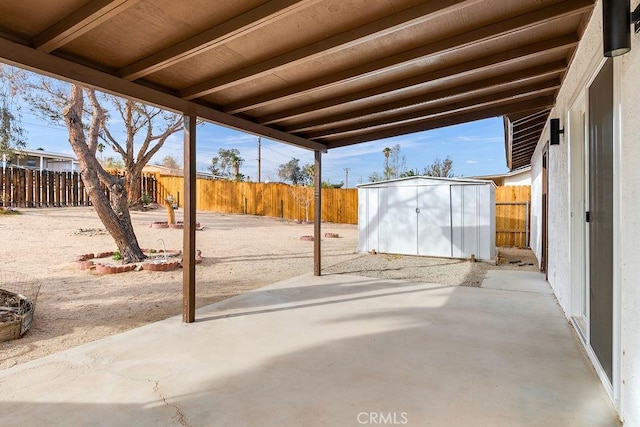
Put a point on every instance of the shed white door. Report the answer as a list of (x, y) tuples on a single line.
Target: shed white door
[(466, 221), (398, 222), (434, 221), (369, 212)]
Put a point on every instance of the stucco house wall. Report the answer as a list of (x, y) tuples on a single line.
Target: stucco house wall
[(586, 63), (522, 178), (629, 172)]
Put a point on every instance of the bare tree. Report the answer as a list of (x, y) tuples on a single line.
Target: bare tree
[(11, 133), (170, 162), (87, 121), (146, 129), (303, 198), (441, 168), (112, 210), (148, 126)]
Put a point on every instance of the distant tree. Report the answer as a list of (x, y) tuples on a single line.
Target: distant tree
[(226, 164), (441, 168), (11, 133), (387, 171), (100, 150), (398, 162), (375, 177), (308, 175), (394, 164), (409, 172), (291, 172), (327, 184), (111, 163), (170, 162)]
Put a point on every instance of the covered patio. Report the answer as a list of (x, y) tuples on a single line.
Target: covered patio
[(335, 350), (320, 350), (318, 74)]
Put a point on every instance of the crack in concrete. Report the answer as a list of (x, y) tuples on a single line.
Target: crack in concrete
[(181, 418)]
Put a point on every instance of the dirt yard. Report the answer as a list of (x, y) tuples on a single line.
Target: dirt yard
[(240, 253)]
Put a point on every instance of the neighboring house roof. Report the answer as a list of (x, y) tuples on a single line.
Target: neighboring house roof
[(46, 154), (504, 175), (172, 171), (161, 169)]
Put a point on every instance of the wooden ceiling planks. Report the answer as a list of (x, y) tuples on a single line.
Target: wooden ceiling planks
[(313, 73)]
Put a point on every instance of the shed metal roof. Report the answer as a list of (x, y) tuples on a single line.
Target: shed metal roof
[(426, 179), (317, 74)]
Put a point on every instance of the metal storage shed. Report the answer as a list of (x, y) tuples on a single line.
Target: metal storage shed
[(443, 217)]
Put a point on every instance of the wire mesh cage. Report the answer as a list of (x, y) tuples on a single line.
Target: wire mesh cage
[(18, 295)]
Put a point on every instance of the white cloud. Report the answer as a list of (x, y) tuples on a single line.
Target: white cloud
[(471, 162)]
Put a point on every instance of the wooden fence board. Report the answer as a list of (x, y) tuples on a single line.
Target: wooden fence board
[(513, 206), (265, 199)]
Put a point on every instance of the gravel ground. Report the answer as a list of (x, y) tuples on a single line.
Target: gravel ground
[(240, 253), (445, 271)]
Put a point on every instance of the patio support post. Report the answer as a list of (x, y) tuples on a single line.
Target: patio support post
[(189, 228), (317, 212)]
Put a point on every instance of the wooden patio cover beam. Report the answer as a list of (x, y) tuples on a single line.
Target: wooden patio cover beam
[(539, 115), (487, 63), (524, 157), (389, 24), (233, 28), (460, 41), (525, 145), (497, 111), (78, 23), (526, 135), (544, 87), (538, 125), (35, 60), (546, 70)]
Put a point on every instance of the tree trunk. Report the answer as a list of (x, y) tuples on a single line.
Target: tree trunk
[(113, 210), (133, 183), (114, 214)]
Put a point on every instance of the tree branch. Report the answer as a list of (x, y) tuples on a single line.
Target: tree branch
[(97, 120), (72, 114)]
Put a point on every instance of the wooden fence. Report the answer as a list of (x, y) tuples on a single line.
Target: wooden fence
[(25, 188), (274, 200), (513, 207)]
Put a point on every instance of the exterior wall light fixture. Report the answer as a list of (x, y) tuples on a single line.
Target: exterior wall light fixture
[(554, 138), (616, 23)]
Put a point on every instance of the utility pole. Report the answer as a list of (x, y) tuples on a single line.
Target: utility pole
[(346, 177), (259, 158)]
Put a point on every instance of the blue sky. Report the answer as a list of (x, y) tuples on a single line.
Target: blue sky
[(476, 148)]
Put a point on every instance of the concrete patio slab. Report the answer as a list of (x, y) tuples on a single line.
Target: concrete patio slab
[(522, 281), (326, 351)]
